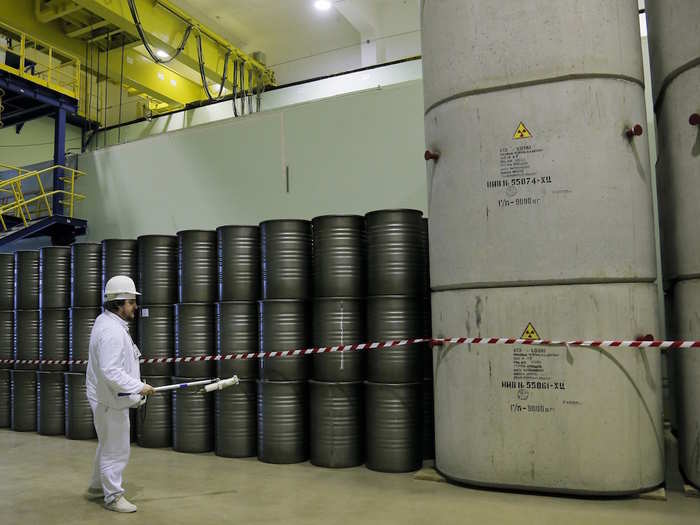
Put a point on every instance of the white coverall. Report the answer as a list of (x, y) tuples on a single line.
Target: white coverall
[(113, 367)]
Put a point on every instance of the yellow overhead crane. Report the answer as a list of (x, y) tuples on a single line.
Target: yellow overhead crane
[(151, 47)]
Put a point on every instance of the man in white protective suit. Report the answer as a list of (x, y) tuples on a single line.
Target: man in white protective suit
[(113, 367)]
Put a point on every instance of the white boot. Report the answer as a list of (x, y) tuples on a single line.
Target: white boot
[(120, 504)]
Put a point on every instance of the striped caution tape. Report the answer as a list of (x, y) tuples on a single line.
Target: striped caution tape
[(664, 345)]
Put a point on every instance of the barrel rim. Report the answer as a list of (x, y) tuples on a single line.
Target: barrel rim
[(217, 303), (396, 385), (297, 382), (342, 383), (182, 232), (242, 226), (263, 301), (115, 240), (19, 252), (157, 236), (85, 243), (343, 298), (271, 221), (338, 216), (52, 248), (393, 210)]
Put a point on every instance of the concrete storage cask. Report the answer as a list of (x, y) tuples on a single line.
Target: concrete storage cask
[(156, 337), (50, 403), (284, 325), (154, 428), (86, 274), (285, 258), (237, 332), (79, 420), (54, 277), (339, 256), (26, 338), (7, 321), (54, 337), (428, 420), (197, 266), (236, 420), (282, 421), (4, 398), (7, 281), (80, 327), (23, 400), (194, 336), (26, 280), (119, 258), (238, 263), (193, 419), (157, 269)]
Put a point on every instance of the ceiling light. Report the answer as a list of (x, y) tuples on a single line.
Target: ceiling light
[(173, 82), (322, 5), (162, 54)]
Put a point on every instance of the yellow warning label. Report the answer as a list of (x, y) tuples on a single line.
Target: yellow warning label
[(530, 332), (522, 132)]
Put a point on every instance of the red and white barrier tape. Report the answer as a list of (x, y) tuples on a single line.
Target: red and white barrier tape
[(665, 345)]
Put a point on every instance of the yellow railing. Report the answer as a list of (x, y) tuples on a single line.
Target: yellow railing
[(17, 200), (35, 60)]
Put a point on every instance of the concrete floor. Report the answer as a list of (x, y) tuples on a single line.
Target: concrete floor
[(42, 480)]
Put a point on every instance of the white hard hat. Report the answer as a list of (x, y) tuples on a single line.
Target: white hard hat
[(120, 287)]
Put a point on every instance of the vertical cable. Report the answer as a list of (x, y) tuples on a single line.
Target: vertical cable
[(109, 45), (121, 89)]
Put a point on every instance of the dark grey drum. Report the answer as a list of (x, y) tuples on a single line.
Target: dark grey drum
[(157, 269), (282, 422), (119, 258), (197, 266), (23, 400), (285, 258), (4, 398), (156, 338), (284, 325), (26, 338), (79, 330), (238, 263), (337, 424), (154, 423), (86, 274), (53, 338), (26, 280), (236, 421), (7, 281), (339, 262), (50, 404), (194, 336), (338, 321), (236, 333), (54, 277), (193, 419), (79, 424), (7, 321)]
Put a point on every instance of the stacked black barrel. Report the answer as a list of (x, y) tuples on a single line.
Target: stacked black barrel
[(339, 311), (7, 300), (238, 264), (193, 414), (157, 263), (285, 259), (396, 310)]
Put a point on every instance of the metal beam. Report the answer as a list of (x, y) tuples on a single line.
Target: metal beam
[(25, 115), (59, 159), (86, 29), (55, 10)]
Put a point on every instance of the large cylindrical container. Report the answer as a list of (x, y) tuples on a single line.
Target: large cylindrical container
[(395, 253), (389, 318), (339, 256), (284, 325), (79, 330), (197, 266), (79, 420), (53, 338), (4, 398), (338, 321), (238, 263), (157, 269), (156, 337), (119, 257), (50, 404), (394, 413), (26, 338), (193, 419), (23, 400), (154, 427), (7, 281), (236, 421), (86, 274), (285, 257), (7, 321), (26, 280), (194, 336), (54, 277), (337, 423), (237, 332), (428, 420), (282, 421)]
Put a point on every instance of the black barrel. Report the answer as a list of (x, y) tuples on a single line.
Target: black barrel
[(395, 318), (156, 338), (284, 325), (396, 260), (26, 280), (236, 421), (237, 332), (50, 404), (119, 258), (238, 262), (79, 329), (7, 281), (338, 321), (394, 426), (337, 424), (154, 423), (7, 328), (282, 422), (86, 274), (194, 336), (26, 338), (53, 338), (428, 421), (339, 263), (197, 266), (54, 277), (4, 398), (193, 419), (157, 269), (79, 423), (285, 248), (23, 400)]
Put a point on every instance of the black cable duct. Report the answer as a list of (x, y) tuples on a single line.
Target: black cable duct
[(144, 41), (203, 75), (235, 81)]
